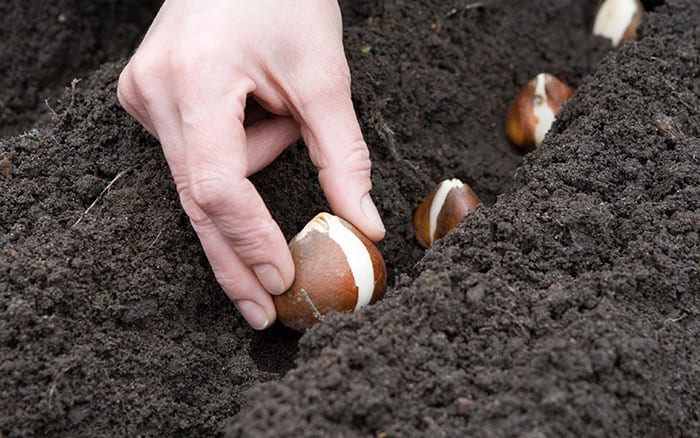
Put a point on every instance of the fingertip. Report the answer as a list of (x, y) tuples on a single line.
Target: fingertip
[(363, 215), (376, 229), (256, 315), (353, 205)]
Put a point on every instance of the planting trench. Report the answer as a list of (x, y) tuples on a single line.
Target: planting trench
[(567, 304)]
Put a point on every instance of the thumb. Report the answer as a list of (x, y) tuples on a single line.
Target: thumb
[(338, 150)]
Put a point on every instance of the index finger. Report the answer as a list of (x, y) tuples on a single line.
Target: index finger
[(337, 148)]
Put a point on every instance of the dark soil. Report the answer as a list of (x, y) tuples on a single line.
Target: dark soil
[(567, 305), (45, 44)]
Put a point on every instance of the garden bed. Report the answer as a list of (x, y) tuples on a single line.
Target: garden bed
[(567, 304)]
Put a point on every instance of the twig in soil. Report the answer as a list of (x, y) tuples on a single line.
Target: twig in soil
[(155, 240), (53, 389), (668, 128), (514, 319), (73, 83), (311, 304), (526, 332), (468, 6), (668, 321), (387, 134), (55, 114), (111, 183), (474, 5), (31, 133), (65, 112)]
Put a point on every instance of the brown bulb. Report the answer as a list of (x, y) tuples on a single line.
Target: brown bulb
[(618, 20), (337, 269), (532, 113), (442, 210)]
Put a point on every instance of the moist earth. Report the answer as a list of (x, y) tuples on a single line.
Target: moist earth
[(567, 304), (45, 44)]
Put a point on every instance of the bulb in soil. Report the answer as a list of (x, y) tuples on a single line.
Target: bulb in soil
[(618, 20), (534, 110), (337, 269), (442, 210)]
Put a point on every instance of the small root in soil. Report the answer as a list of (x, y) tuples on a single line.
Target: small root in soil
[(109, 186), (65, 112)]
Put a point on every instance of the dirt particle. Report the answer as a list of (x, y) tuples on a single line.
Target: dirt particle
[(463, 404), (476, 293), (6, 166)]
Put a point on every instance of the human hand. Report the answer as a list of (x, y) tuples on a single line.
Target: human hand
[(187, 85)]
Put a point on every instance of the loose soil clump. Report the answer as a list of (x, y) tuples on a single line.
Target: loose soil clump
[(567, 304)]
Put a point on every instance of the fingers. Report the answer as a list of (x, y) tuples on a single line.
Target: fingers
[(336, 147), (216, 161), (205, 144), (188, 85)]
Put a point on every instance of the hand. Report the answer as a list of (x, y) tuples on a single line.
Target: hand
[(188, 84)]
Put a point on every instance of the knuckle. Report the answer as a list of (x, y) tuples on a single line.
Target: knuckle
[(125, 90), (143, 74), (233, 284), (194, 55), (357, 157), (352, 159), (209, 193), (182, 64), (254, 241), (353, 166), (199, 220), (132, 102), (337, 74), (330, 81)]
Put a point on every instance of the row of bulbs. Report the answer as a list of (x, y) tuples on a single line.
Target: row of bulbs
[(529, 118), (339, 269)]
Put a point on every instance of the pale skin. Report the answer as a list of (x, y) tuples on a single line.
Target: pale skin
[(188, 84)]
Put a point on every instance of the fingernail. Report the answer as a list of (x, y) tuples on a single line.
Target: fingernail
[(270, 278), (253, 313), (370, 210)]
